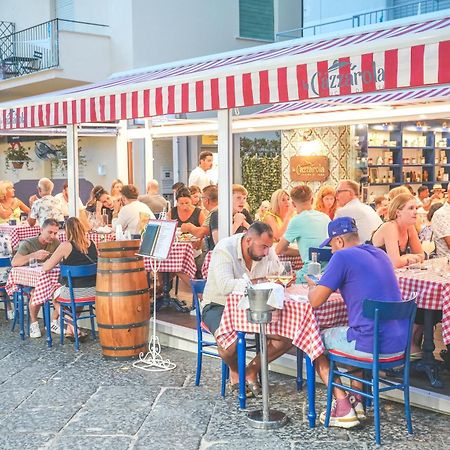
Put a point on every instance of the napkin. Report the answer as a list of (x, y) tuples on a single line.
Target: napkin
[(276, 298)]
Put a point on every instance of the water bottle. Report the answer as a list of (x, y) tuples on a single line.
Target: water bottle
[(314, 267), (5, 249)]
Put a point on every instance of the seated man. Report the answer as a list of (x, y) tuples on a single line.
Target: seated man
[(63, 198), (241, 217), (45, 207), (359, 271), (250, 253), (39, 248), (153, 199)]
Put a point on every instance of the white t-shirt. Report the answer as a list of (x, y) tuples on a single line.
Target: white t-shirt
[(65, 205), (129, 217), (366, 218), (200, 178), (440, 224)]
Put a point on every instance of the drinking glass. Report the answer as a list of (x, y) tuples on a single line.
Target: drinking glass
[(286, 273), (428, 248), (33, 263)]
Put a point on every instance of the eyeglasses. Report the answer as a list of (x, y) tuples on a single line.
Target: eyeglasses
[(342, 190)]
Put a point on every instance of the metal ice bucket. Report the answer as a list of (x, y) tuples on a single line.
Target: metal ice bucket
[(259, 311)]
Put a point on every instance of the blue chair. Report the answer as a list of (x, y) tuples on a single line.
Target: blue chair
[(323, 254), (5, 262), (378, 311), (68, 307), (21, 309)]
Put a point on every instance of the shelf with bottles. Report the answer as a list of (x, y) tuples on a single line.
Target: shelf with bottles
[(385, 147), (383, 165)]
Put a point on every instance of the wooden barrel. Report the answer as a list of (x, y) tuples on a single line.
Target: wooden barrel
[(122, 300)]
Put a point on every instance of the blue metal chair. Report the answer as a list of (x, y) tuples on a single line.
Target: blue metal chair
[(323, 254), (69, 307), (21, 309), (5, 262), (378, 311)]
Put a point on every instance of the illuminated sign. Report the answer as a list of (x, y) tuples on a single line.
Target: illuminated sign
[(309, 168)]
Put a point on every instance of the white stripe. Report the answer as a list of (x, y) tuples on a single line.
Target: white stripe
[(60, 113), (355, 61), (87, 112), (118, 108), (404, 67), (333, 84), (239, 90), (313, 80), (97, 107), (207, 97), (192, 98), (152, 108), (107, 108), (431, 63), (222, 92), (177, 95), (129, 110), (292, 83), (255, 87), (36, 115), (52, 114), (378, 59), (140, 103), (273, 86), (164, 99)]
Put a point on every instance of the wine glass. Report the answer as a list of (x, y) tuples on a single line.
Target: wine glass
[(428, 247), (285, 273)]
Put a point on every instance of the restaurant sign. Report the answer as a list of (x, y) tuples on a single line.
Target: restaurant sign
[(309, 168)]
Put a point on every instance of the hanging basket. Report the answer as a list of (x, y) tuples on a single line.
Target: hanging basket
[(17, 164)]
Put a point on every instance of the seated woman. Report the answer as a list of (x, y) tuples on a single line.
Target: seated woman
[(116, 190), (196, 196), (398, 237), (78, 250), (280, 213), (100, 202), (326, 201), (10, 205)]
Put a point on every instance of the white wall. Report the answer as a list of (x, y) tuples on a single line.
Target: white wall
[(25, 13)]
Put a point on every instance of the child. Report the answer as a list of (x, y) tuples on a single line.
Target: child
[(262, 210)]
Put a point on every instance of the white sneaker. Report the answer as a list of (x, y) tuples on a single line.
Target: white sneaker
[(358, 407), (10, 314), (35, 331), (347, 419), (54, 327)]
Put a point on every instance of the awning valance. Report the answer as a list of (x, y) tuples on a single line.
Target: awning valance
[(377, 60)]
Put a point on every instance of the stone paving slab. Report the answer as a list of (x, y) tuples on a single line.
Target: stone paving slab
[(90, 442)]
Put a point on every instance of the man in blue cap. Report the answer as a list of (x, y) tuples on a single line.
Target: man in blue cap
[(359, 271)]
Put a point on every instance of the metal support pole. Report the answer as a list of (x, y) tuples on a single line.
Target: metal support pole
[(72, 169)]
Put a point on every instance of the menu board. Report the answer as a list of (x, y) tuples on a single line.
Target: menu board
[(158, 238)]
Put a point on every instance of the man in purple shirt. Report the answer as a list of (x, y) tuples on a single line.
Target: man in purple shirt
[(359, 272)]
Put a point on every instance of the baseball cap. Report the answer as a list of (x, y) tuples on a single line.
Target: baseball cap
[(338, 227)]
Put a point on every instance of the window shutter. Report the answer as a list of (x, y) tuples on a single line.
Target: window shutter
[(256, 19)]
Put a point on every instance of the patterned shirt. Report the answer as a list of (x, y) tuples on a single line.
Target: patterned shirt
[(440, 223), (47, 207)]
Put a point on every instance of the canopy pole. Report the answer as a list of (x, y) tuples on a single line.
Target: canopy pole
[(122, 152), (225, 175), (72, 169), (148, 152)]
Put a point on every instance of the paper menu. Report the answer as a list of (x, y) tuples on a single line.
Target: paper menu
[(158, 238)]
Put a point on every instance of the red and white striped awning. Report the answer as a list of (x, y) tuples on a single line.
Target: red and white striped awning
[(383, 58)]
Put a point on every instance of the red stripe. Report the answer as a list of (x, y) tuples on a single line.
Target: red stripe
[(17, 124), (368, 75), (199, 96), (25, 117), (147, 103), (64, 113), (74, 112), (247, 88), (112, 107), (134, 104), (444, 62), (40, 122), (56, 113), (322, 79), (158, 101), (283, 95), (264, 91), (171, 99), (417, 65), (185, 97), (302, 81), (123, 105), (215, 100), (390, 69), (33, 111), (83, 110), (47, 114), (102, 109), (93, 113), (231, 97), (345, 82)]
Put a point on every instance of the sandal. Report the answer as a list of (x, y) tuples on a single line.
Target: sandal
[(234, 390), (82, 336), (415, 356), (255, 388)]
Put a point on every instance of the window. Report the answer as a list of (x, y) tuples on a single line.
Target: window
[(256, 19)]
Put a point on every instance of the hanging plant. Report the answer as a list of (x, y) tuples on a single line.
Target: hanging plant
[(17, 156), (60, 162)]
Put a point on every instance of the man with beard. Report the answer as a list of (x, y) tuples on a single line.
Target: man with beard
[(252, 254)]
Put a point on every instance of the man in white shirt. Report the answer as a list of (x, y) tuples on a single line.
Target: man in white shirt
[(63, 198), (45, 207), (132, 210), (366, 218), (201, 176), (440, 224), (251, 254)]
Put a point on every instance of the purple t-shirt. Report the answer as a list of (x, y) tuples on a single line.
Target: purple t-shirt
[(365, 272)]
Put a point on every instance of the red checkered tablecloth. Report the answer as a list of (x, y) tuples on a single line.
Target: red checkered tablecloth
[(44, 283), (180, 259), (297, 321), (432, 288), (19, 232), (296, 262)]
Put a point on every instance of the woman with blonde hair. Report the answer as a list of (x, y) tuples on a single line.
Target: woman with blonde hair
[(398, 236), (397, 191), (116, 189), (78, 250), (10, 205), (326, 201), (280, 213)]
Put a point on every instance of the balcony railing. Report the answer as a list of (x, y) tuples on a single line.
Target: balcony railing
[(37, 48), (367, 18)]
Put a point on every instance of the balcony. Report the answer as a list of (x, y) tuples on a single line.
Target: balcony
[(52, 55)]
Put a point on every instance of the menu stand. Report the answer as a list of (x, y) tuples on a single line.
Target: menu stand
[(153, 361)]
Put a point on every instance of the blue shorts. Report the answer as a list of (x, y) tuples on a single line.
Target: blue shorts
[(336, 339)]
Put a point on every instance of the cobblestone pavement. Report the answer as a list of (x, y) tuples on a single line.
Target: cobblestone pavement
[(60, 399)]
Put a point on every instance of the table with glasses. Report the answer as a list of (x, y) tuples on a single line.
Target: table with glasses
[(297, 321), (432, 287), (296, 262)]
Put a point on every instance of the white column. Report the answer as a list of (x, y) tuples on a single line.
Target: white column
[(225, 153), (148, 146), (122, 152), (72, 169)]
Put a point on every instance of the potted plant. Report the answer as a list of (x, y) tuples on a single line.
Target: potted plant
[(17, 155), (60, 162)]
